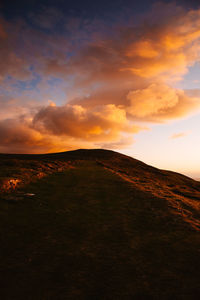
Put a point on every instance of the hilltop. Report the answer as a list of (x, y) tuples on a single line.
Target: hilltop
[(96, 224)]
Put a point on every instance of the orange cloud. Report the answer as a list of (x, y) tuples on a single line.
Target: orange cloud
[(66, 128), (163, 47), (178, 135), (159, 102), (118, 81), (17, 136), (152, 100), (103, 123)]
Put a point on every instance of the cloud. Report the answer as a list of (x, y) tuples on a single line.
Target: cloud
[(18, 136), (11, 64), (67, 127), (163, 45), (25, 50), (152, 100), (120, 144), (111, 82), (103, 123), (178, 135), (48, 17), (159, 102)]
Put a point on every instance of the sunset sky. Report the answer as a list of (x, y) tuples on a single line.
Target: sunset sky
[(121, 75)]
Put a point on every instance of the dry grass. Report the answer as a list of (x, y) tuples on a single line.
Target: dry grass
[(109, 227)]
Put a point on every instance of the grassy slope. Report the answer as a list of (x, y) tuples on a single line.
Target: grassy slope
[(89, 233)]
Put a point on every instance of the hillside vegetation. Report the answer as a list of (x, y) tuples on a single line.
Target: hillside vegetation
[(96, 224)]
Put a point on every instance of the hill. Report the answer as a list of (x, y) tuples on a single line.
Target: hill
[(96, 224)]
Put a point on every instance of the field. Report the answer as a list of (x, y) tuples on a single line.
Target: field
[(97, 225)]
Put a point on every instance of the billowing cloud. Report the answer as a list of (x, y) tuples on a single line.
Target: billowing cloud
[(104, 123), (111, 82), (152, 100), (17, 136), (160, 102)]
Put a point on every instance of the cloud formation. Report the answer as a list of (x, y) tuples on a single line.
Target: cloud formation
[(159, 102), (162, 45), (112, 82), (18, 136), (101, 123), (178, 135)]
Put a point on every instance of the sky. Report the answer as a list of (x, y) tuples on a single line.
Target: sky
[(119, 75)]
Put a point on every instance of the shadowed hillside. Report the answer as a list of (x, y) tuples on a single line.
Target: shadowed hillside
[(96, 224)]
